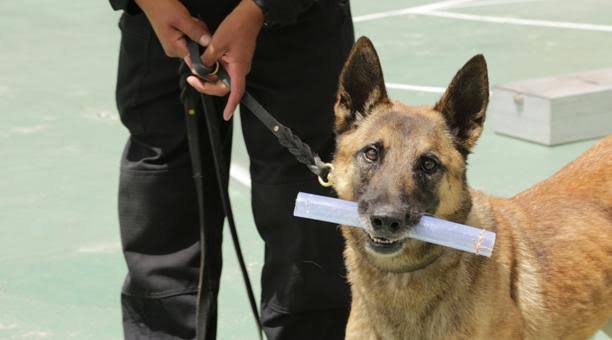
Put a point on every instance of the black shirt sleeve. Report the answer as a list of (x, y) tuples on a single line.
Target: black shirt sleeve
[(280, 13), (129, 6)]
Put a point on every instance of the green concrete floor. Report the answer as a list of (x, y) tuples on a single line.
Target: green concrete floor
[(60, 141)]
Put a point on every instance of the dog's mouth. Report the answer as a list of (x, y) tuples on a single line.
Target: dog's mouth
[(383, 245)]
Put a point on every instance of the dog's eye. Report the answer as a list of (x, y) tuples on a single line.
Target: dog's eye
[(429, 165), (371, 154)]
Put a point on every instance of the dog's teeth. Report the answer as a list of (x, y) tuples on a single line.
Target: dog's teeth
[(380, 240)]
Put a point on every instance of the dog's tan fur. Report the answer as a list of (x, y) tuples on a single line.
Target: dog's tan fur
[(550, 276)]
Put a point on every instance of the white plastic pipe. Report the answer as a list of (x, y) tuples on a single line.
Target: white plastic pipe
[(429, 229)]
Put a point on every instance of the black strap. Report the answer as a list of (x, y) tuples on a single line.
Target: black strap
[(207, 295), (211, 116), (208, 286)]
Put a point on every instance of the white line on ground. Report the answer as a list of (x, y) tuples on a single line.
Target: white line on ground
[(6, 327), (102, 248), (439, 5), (410, 10), (27, 130), (36, 335), (435, 10), (518, 21), (492, 3), (431, 89), (240, 174)]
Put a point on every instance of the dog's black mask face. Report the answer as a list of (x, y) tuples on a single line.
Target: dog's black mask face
[(400, 162), (396, 185)]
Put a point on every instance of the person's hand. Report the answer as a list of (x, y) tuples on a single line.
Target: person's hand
[(232, 44), (172, 22)]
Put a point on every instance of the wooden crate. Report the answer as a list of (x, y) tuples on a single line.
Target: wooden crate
[(554, 110)]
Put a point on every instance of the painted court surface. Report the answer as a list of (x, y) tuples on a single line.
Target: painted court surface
[(60, 139)]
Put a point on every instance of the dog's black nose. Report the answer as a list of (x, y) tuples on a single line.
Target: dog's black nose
[(390, 223)]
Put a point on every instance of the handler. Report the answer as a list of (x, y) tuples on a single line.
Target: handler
[(294, 50)]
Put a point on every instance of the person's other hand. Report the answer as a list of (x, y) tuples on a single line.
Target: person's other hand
[(232, 44), (172, 22)]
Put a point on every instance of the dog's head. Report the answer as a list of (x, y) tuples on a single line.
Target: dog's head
[(400, 162)]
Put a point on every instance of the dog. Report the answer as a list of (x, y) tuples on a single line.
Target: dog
[(550, 275)]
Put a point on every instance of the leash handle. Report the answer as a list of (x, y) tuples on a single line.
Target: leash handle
[(201, 70), (214, 137), (210, 245), (210, 251), (198, 66)]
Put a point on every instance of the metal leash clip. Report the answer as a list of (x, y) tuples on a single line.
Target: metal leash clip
[(329, 180)]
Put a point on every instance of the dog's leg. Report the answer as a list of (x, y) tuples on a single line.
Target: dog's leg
[(359, 326)]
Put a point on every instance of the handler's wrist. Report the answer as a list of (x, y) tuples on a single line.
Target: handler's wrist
[(256, 13), (140, 2)]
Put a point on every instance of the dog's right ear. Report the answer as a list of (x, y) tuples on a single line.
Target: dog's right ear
[(361, 87)]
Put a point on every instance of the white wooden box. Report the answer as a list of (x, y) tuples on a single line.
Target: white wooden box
[(554, 110)]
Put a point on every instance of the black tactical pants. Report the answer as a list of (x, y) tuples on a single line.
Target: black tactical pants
[(294, 75)]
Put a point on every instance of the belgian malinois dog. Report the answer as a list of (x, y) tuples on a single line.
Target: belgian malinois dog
[(550, 276)]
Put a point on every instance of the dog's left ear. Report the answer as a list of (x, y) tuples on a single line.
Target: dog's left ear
[(361, 87), (464, 103)]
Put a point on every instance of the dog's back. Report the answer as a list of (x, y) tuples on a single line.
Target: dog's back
[(567, 230), (588, 178)]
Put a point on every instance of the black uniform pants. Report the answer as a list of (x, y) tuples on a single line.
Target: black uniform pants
[(294, 75)]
